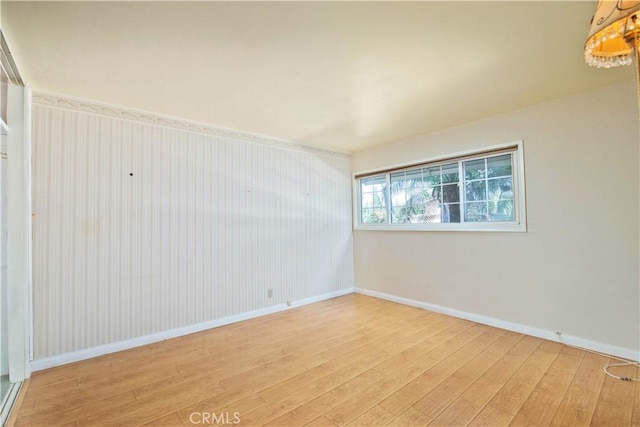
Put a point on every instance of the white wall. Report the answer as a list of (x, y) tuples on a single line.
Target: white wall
[(210, 220), (576, 270)]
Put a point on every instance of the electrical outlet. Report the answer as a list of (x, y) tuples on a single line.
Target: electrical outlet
[(269, 293)]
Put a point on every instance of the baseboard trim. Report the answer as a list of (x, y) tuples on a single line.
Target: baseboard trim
[(88, 353), (516, 327), (76, 356)]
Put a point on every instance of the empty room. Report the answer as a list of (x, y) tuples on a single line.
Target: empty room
[(320, 213)]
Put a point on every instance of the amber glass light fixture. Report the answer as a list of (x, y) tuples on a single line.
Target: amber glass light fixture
[(614, 34)]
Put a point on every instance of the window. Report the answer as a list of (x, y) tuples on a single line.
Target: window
[(483, 190)]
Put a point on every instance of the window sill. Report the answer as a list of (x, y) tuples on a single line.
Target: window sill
[(490, 227)]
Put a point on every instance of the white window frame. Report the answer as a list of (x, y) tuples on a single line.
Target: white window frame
[(520, 215)]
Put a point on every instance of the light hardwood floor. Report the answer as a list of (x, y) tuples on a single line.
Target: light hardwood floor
[(352, 360)]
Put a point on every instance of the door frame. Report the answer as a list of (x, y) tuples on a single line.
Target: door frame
[(19, 231)]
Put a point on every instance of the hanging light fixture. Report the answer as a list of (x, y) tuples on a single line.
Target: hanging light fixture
[(614, 40), (614, 35)]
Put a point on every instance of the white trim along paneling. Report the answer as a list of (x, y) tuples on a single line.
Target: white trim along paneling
[(626, 353), (145, 225), (130, 114)]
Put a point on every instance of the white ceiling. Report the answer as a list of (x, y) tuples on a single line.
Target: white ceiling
[(339, 75)]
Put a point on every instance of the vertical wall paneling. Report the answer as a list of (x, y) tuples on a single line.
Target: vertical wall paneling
[(145, 224)]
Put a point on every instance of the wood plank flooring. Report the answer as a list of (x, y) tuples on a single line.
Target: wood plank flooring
[(349, 361)]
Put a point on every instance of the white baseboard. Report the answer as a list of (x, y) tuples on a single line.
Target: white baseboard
[(63, 359), (626, 353), (89, 353)]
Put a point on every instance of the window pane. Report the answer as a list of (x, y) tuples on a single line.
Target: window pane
[(450, 193), (501, 189), (410, 213), (417, 191), (501, 210), (450, 212), (399, 215), (475, 211), (420, 181), (475, 190), (399, 186), (409, 196), (367, 216), (431, 212), (415, 175), (373, 199), (375, 183), (411, 176), (381, 214), (374, 216), (499, 166), (378, 200), (474, 169), (367, 200), (450, 173), (431, 175), (398, 197)]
